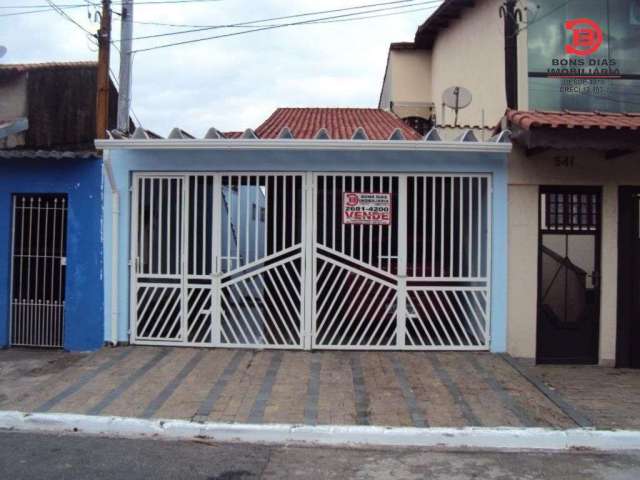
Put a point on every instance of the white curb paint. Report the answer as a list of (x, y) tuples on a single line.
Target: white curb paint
[(480, 438)]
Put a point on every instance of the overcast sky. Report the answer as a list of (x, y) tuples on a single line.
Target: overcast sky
[(230, 83)]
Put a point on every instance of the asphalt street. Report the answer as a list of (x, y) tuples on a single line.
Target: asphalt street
[(35, 456)]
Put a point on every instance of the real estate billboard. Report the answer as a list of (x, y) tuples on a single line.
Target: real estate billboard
[(584, 55)]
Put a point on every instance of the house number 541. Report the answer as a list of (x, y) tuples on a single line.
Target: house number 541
[(564, 161)]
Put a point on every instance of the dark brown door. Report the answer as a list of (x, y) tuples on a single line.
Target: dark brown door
[(628, 345), (569, 275)]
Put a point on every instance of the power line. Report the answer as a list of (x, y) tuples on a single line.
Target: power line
[(319, 22), (13, 14), (273, 19), (93, 4), (47, 9), (68, 18), (270, 27), (404, 12)]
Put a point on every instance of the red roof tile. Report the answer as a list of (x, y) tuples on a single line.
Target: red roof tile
[(569, 119), (341, 123), (232, 135)]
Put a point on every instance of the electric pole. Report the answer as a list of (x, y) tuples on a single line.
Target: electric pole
[(103, 82), (126, 42)]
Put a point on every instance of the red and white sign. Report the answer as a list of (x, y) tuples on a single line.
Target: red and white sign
[(586, 39), (366, 208)]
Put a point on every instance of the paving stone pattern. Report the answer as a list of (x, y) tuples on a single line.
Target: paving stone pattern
[(417, 389)]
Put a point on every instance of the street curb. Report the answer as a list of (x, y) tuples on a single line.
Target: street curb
[(474, 437)]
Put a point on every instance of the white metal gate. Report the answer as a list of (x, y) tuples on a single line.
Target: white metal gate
[(420, 282), (39, 259), (218, 260), (265, 260)]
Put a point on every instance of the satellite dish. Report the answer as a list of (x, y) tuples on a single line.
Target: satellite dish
[(456, 98), (3, 51)]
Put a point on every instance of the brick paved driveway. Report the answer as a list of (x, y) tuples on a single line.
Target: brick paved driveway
[(364, 388)]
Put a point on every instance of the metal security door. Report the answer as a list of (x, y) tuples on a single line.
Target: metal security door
[(420, 279), (569, 275), (39, 259), (627, 351), (262, 261)]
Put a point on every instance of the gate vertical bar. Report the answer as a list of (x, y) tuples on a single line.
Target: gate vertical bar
[(137, 243), (184, 252), (216, 311), (309, 263), (489, 264), (12, 301), (402, 262)]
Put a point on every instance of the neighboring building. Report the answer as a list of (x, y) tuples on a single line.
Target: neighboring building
[(461, 44), (50, 207), (325, 229), (574, 179)]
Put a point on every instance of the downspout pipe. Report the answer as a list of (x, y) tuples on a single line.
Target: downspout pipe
[(115, 248)]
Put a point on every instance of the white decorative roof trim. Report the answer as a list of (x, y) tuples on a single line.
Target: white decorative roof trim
[(360, 134), (397, 135)]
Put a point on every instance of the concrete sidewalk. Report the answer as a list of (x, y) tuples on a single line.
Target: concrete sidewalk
[(320, 388)]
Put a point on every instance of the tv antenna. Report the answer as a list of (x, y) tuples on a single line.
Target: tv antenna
[(456, 98)]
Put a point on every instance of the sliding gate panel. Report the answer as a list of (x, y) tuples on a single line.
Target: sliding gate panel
[(448, 261), (356, 264), (418, 279), (262, 261), (218, 260), (158, 283)]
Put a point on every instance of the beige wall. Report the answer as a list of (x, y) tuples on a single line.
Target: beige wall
[(470, 53), (526, 174), (407, 79), (385, 94), (411, 76)]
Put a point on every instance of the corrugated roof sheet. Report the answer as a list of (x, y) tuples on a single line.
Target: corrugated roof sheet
[(340, 123), (570, 119), (23, 67), (46, 154)]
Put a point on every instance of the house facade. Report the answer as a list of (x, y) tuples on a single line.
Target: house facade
[(321, 229), (50, 208), (573, 176)]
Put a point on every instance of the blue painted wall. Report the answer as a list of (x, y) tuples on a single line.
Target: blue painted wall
[(81, 180), (127, 161)]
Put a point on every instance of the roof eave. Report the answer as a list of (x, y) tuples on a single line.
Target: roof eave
[(288, 144), (449, 11)]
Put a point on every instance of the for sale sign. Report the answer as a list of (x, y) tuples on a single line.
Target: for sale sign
[(366, 208)]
